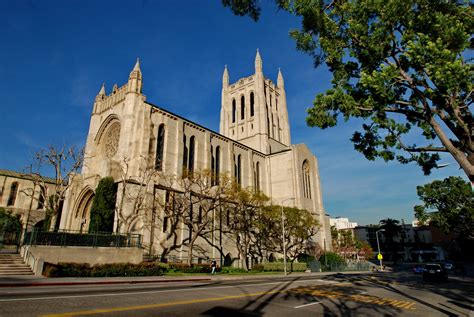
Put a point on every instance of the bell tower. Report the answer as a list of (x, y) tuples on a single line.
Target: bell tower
[(253, 111)]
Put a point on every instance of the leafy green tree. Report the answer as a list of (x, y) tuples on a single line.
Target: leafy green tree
[(103, 206), (301, 226), (399, 65), (9, 222), (449, 205), (329, 259)]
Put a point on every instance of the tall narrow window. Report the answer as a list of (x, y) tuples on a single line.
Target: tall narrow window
[(239, 169), (252, 104), (200, 215), (218, 158), (268, 122), (306, 180), (160, 143), (13, 193), (278, 129), (242, 108), (235, 167), (257, 176), (276, 104), (213, 166), (41, 198), (234, 110), (191, 154), (185, 154)]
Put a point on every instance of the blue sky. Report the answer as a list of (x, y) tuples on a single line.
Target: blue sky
[(56, 54)]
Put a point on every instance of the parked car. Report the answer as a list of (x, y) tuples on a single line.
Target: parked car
[(434, 272), (418, 269)]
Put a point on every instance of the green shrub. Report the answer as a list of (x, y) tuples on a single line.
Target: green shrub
[(279, 267), (229, 269), (103, 270), (333, 260), (258, 268)]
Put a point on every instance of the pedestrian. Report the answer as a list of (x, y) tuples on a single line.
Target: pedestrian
[(213, 266)]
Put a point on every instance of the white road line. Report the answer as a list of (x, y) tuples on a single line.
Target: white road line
[(148, 292), (307, 305)]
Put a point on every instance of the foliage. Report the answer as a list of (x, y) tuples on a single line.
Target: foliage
[(300, 227), (189, 268), (391, 228), (244, 208), (9, 222), (103, 206), (449, 205), (104, 270), (331, 258), (399, 66), (279, 267), (232, 270)]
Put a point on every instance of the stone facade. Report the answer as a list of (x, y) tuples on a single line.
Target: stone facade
[(16, 195), (253, 145)]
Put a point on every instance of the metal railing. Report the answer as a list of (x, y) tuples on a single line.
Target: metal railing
[(80, 239)]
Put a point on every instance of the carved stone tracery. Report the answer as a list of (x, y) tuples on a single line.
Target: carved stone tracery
[(111, 140)]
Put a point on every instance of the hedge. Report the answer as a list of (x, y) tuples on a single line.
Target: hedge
[(279, 266), (103, 270)]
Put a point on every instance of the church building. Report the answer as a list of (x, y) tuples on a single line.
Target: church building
[(127, 133)]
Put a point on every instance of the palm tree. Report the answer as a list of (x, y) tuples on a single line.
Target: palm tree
[(392, 228)]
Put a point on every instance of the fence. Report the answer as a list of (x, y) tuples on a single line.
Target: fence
[(76, 238)]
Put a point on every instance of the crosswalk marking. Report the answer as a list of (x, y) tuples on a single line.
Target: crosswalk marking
[(316, 291)]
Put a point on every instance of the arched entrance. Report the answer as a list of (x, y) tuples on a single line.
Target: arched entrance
[(83, 210)]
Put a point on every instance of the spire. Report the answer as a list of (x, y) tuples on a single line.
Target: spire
[(258, 63), (136, 68), (135, 79), (137, 65), (101, 95), (102, 90), (280, 81), (225, 77)]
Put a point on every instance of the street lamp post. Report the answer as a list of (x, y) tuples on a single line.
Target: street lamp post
[(283, 232), (379, 255)]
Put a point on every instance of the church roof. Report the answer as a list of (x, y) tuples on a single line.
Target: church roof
[(10, 173), (214, 132)]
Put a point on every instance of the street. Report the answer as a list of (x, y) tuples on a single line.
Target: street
[(324, 295)]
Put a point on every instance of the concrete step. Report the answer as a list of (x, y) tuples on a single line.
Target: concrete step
[(12, 264)]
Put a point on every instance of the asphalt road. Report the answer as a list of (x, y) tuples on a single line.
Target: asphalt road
[(385, 294)]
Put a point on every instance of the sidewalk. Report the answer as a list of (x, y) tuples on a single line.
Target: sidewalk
[(24, 281)]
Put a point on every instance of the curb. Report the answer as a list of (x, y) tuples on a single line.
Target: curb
[(102, 282)]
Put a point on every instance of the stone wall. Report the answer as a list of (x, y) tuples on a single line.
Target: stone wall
[(35, 256)]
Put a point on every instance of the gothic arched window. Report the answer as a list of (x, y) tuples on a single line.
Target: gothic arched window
[(234, 110), (160, 144), (257, 176), (306, 180), (242, 108), (41, 198), (239, 169), (13, 194), (252, 104), (191, 154), (217, 162), (185, 154)]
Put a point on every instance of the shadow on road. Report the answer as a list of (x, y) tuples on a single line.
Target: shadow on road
[(338, 300)]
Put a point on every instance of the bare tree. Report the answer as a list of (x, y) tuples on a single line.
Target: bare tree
[(202, 197), (63, 163)]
